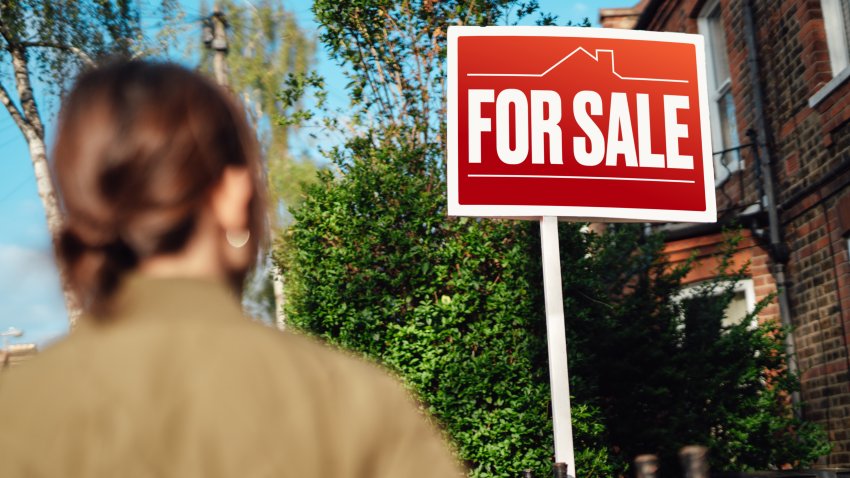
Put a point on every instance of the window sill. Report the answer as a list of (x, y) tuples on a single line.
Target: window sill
[(828, 88)]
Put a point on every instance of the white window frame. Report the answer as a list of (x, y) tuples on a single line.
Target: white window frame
[(835, 30), (836, 35), (744, 285), (715, 93)]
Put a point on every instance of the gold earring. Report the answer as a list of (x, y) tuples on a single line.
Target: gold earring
[(237, 238)]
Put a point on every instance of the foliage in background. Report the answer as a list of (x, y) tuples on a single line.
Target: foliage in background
[(267, 46), (393, 53), (667, 366), (454, 306), (49, 41), (374, 266)]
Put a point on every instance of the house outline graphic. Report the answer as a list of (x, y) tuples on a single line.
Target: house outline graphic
[(593, 56)]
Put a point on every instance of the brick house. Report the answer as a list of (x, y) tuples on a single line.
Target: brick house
[(780, 107)]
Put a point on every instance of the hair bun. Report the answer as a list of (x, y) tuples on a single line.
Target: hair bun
[(100, 264)]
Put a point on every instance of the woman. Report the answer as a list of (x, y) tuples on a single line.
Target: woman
[(160, 179)]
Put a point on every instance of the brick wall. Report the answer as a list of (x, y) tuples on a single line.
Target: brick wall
[(809, 146), (749, 251), (621, 17)]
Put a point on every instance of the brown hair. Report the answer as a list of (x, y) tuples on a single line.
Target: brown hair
[(139, 147)]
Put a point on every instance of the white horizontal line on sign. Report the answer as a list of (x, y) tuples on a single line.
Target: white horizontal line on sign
[(596, 57), (609, 178)]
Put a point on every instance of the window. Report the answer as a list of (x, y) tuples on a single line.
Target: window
[(836, 19), (724, 127), (743, 301), (848, 248)]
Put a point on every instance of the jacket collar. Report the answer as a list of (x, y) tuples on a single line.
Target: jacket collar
[(174, 298)]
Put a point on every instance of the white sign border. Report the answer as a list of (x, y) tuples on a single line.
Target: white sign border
[(604, 214)]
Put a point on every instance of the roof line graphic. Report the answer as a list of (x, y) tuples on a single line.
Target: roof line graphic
[(595, 57)]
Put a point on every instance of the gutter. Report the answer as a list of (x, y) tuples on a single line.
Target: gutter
[(777, 248)]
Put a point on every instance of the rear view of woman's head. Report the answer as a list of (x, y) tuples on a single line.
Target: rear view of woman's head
[(153, 161)]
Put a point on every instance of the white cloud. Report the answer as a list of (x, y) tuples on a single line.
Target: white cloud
[(30, 295)]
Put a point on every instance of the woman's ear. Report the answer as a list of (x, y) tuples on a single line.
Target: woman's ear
[(230, 198)]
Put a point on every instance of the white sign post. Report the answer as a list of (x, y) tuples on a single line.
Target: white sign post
[(556, 334)]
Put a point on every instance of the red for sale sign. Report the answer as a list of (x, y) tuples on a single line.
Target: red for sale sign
[(578, 122)]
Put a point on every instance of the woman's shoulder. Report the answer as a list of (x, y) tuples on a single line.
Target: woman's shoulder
[(191, 346), (235, 379), (227, 363)]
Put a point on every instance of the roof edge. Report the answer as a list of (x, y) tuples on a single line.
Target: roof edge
[(647, 13)]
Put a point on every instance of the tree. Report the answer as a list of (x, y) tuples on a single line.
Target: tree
[(393, 52), (49, 41), (452, 306), (266, 47)]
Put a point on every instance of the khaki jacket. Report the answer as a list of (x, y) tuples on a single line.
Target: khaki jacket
[(181, 385)]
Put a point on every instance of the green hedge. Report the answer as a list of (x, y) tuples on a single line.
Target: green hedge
[(453, 306)]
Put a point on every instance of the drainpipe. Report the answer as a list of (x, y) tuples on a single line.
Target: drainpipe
[(777, 249)]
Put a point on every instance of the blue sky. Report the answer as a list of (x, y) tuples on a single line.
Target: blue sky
[(30, 297)]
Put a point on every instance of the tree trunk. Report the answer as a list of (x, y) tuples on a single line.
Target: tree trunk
[(277, 285), (219, 45), (44, 184), (38, 154), (28, 120)]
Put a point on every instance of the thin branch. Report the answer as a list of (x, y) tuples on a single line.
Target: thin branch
[(4, 32), (382, 77), (372, 83), (22, 123), (25, 93), (395, 61), (470, 11), (83, 56)]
